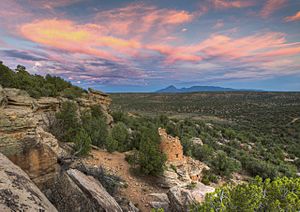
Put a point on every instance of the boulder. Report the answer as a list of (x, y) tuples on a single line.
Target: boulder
[(125, 204), (67, 196), (169, 179), (94, 191), (18, 192), (160, 200), (180, 199), (197, 141), (200, 190)]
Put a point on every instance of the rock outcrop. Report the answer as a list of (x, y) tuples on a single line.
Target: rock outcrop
[(94, 191), (161, 200), (22, 136), (18, 192), (180, 198)]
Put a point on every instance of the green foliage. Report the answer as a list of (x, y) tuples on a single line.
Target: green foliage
[(173, 167), (72, 92), (36, 85), (187, 145), (209, 176), (150, 159), (191, 186), (68, 122), (157, 210), (111, 143), (282, 194), (82, 142), (120, 134), (261, 129), (203, 153), (224, 165), (229, 133), (95, 125), (89, 128)]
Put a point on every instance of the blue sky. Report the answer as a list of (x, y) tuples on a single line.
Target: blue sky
[(131, 46)]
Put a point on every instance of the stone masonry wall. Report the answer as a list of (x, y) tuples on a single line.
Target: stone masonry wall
[(171, 146)]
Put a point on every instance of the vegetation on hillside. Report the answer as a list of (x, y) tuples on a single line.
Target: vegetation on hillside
[(36, 85), (128, 133), (281, 194), (251, 133), (83, 129)]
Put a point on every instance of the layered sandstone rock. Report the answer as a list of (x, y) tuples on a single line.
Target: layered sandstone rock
[(22, 137), (18, 192)]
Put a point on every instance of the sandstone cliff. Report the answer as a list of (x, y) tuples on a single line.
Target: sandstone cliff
[(22, 136)]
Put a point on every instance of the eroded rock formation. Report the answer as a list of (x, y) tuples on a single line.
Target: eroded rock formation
[(18, 192), (22, 137)]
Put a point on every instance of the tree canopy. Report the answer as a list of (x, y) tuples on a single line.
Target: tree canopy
[(36, 85)]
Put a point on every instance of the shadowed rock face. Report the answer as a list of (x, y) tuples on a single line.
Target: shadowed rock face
[(18, 192)]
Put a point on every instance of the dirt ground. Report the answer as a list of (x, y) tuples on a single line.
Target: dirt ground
[(138, 187)]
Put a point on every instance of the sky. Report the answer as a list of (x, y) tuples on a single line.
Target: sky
[(142, 46)]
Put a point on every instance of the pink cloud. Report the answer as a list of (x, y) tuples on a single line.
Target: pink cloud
[(123, 21), (66, 35), (295, 17), (271, 6), (251, 49), (225, 4), (174, 54)]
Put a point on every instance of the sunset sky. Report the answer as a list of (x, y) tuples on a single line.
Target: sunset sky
[(118, 45)]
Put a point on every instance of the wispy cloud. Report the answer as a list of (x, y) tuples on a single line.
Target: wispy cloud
[(295, 17), (272, 6), (225, 4), (138, 43), (141, 20)]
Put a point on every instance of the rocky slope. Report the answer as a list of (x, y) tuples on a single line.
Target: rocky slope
[(25, 141)]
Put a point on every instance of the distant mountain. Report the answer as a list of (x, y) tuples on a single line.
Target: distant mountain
[(173, 89)]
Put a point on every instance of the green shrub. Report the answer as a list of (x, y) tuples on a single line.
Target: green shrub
[(150, 160), (111, 144), (282, 194), (67, 121), (95, 125), (36, 85), (82, 143), (224, 165), (208, 177), (120, 134), (203, 153)]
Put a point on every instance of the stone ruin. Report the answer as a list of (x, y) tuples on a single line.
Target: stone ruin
[(171, 146), (187, 168)]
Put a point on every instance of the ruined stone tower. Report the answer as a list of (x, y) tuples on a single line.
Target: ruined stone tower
[(171, 146)]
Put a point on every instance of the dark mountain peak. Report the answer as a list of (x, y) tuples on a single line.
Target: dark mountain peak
[(173, 89)]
